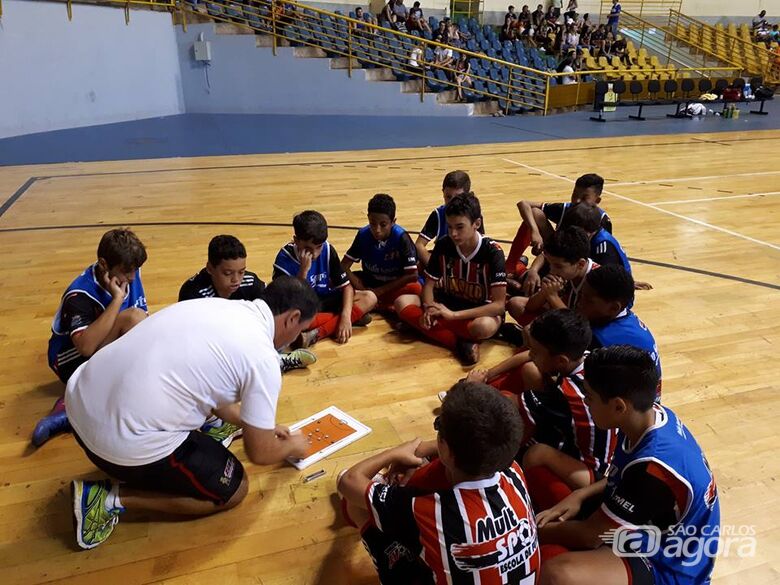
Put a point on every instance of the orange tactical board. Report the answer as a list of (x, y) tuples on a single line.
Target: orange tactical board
[(327, 431)]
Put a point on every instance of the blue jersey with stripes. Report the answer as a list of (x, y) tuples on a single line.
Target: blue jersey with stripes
[(385, 260), (662, 495), (627, 329), (82, 303), (605, 249), (325, 275)]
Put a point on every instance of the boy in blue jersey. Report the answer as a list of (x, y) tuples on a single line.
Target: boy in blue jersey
[(658, 487), (314, 260), (605, 301), (99, 306), (537, 226), (455, 183), (387, 254)]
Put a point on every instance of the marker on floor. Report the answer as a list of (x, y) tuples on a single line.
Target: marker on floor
[(313, 476)]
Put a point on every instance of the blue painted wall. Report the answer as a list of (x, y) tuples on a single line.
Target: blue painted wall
[(246, 79), (57, 74)]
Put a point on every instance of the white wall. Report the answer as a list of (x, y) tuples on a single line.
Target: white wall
[(57, 74)]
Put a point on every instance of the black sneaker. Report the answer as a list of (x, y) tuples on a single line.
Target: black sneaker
[(363, 321), (512, 334), (467, 352)]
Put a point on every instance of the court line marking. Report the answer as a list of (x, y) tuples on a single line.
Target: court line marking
[(704, 178), (105, 225), (745, 196), (659, 209), (17, 194)]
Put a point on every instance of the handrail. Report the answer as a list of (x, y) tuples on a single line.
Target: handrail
[(764, 61)]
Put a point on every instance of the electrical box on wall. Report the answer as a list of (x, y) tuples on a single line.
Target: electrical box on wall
[(202, 50)]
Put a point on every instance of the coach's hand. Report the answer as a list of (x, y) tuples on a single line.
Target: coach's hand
[(297, 444)]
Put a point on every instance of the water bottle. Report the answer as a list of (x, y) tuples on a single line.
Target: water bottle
[(747, 91)]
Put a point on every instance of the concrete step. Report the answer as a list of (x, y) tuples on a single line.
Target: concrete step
[(380, 74), (267, 41), (343, 63), (229, 28), (309, 53)]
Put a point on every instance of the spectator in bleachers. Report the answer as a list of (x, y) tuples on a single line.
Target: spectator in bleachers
[(613, 20), (620, 50), (571, 10), (361, 29), (524, 18), (387, 16), (462, 77), (400, 11), (571, 40), (759, 21), (567, 66), (509, 30), (442, 58), (598, 39), (551, 17), (510, 14), (537, 17), (415, 59), (416, 20), (584, 24), (556, 6), (440, 35), (774, 36)]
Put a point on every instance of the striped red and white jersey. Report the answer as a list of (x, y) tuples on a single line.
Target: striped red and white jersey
[(475, 533), (560, 418)]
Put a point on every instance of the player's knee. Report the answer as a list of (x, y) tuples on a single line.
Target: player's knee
[(561, 570), (239, 495), (404, 301), (369, 299), (482, 328), (535, 456), (516, 306), (133, 317)]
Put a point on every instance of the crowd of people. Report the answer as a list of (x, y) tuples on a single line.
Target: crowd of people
[(534, 458), (763, 31)]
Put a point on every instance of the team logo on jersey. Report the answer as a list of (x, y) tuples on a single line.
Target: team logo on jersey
[(397, 552), (711, 494), (506, 542)]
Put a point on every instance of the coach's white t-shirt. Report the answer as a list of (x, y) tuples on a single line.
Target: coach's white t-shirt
[(136, 400)]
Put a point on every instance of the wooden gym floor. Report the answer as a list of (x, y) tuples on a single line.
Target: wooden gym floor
[(699, 213)]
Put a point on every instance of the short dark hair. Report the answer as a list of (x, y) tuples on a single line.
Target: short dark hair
[(481, 427), (121, 247), (623, 371), (457, 180), (310, 225), (382, 203), (464, 204), (225, 247), (287, 292), (612, 282), (590, 180), (583, 215), (570, 243), (562, 332)]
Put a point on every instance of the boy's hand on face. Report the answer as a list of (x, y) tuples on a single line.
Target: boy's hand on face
[(552, 285), (114, 286), (306, 259)]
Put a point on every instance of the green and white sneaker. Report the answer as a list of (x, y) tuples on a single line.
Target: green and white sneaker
[(221, 431), (94, 523), (295, 360)]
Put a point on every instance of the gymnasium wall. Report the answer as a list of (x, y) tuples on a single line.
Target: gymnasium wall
[(56, 74)]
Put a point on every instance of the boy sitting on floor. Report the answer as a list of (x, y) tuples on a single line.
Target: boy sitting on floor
[(455, 183), (311, 258), (566, 251), (477, 526), (225, 276), (659, 485), (462, 301), (98, 307), (387, 254), (537, 226), (604, 301)]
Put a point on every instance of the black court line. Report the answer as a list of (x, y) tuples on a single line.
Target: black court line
[(353, 228), (17, 194)]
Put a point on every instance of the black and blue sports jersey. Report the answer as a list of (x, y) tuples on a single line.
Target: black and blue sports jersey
[(554, 212), (435, 226), (201, 286), (387, 260), (82, 303), (325, 275), (605, 249), (662, 490), (626, 329)]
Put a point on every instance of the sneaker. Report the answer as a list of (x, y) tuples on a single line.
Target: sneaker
[(512, 334), (306, 339), (442, 395), (363, 321), (297, 359), (54, 423), (93, 522), (221, 431), (467, 352)]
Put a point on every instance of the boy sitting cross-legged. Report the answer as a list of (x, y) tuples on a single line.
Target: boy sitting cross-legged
[(659, 489), (476, 525), (311, 258), (387, 254), (462, 301)]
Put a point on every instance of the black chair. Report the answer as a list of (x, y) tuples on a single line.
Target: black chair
[(598, 100), (619, 87), (635, 87), (762, 99), (720, 85), (739, 83), (756, 82), (705, 85), (670, 88), (681, 106), (653, 89), (687, 87)]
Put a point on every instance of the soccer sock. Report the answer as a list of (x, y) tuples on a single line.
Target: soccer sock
[(411, 315), (519, 245), (550, 551), (546, 488), (326, 324), (459, 328)]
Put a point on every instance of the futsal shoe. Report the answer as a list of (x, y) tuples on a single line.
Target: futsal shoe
[(54, 423), (467, 352), (306, 339), (93, 521), (363, 321), (512, 334), (298, 359), (221, 431)]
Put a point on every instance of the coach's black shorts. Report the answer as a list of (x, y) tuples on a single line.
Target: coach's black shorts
[(639, 570), (199, 468)]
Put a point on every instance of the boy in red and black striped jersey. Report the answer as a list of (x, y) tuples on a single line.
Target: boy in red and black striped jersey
[(463, 298), (476, 526)]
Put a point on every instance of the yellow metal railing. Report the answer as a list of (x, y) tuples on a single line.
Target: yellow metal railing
[(518, 87), (705, 38)]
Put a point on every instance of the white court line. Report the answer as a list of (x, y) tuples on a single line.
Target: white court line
[(705, 178), (651, 206), (716, 198)]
